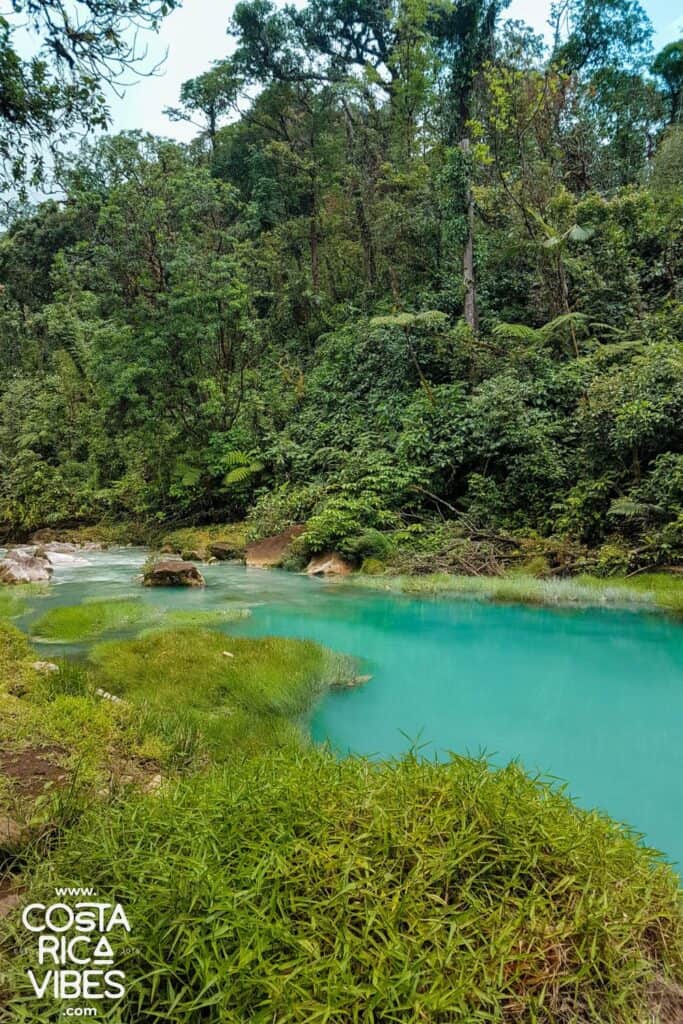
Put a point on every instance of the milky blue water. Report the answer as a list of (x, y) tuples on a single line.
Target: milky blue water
[(590, 696)]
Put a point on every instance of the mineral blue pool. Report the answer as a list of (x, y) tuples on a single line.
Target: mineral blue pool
[(590, 696)]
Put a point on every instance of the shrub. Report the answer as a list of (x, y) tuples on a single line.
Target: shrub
[(344, 521)]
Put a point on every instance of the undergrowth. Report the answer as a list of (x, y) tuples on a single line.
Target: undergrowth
[(297, 888)]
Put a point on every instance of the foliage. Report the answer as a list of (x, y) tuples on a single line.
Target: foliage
[(47, 97), (329, 871), (275, 323)]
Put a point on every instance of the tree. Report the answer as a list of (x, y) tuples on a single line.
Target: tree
[(45, 98), (668, 65), (594, 34), (209, 96)]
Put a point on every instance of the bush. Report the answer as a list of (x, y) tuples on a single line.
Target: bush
[(345, 523)]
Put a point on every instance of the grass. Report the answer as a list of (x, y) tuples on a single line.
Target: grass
[(186, 705), (57, 710), (198, 538), (11, 604), (662, 589), (654, 591), (207, 705), (188, 667), (88, 620), (93, 619), (300, 889)]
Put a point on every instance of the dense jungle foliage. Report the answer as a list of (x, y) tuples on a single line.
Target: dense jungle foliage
[(416, 266)]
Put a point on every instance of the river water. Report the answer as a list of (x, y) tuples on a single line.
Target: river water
[(593, 697)]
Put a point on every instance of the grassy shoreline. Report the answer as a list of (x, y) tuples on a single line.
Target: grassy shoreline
[(656, 592)]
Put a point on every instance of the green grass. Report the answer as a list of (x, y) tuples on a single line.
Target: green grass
[(300, 889), (198, 538), (88, 620), (11, 604), (206, 705), (662, 589), (93, 619), (15, 656), (654, 591), (187, 667), (208, 617)]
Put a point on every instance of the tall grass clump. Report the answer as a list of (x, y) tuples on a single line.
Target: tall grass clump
[(239, 694), (11, 603), (93, 619), (297, 888), (88, 620)]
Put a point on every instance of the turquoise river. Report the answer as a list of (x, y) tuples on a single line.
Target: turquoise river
[(592, 697)]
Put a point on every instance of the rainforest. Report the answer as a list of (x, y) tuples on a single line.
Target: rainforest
[(341, 512)]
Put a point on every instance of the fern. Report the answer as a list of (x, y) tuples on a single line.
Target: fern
[(243, 467)]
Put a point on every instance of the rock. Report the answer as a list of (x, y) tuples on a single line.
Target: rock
[(351, 683), (11, 834), (227, 654), (20, 551), (192, 556), (60, 547), (19, 566), (329, 564), (173, 572), (225, 551), (272, 551), (65, 558), (45, 667), (43, 536), (153, 784), (105, 695), (9, 903)]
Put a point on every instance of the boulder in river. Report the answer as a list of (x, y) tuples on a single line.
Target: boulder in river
[(272, 551), (21, 565), (329, 564), (173, 572)]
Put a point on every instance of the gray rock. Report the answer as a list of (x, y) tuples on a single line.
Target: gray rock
[(225, 551), (45, 667), (66, 558), (20, 566), (329, 564)]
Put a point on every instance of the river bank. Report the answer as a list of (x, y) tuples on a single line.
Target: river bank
[(543, 572), (166, 758)]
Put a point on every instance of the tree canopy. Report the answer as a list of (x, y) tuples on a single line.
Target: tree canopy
[(416, 267)]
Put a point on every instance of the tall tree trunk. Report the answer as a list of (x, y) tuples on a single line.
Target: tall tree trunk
[(469, 278), (313, 238)]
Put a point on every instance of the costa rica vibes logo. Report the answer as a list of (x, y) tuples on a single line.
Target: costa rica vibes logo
[(74, 956)]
